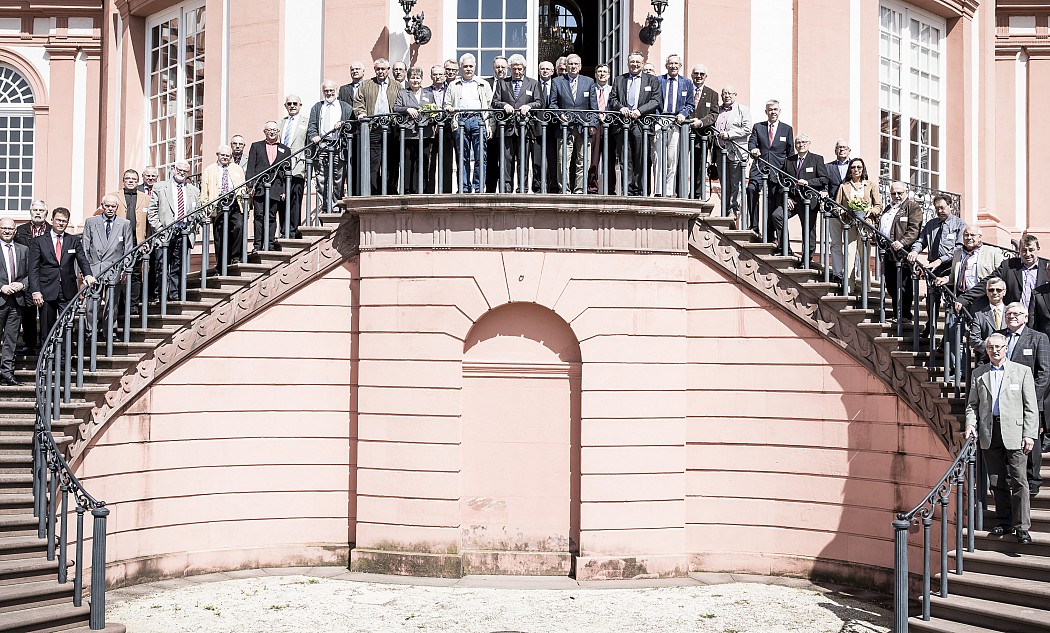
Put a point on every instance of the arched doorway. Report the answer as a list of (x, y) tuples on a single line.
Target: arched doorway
[(16, 142), (520, 470)]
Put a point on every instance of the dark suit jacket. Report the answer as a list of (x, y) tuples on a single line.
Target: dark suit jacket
[(49, 276), (1010, 272), (683, 96), (24, 232), (21, 274), (528, 94), (1039, 309), (258, 162), (348, 91), (586, 95), (812, 170), (1032, 349), (649, 99), (775, 152), (833, 179), (405, 100), (706, 109), (983, 324), (313, 127), (906, 224)]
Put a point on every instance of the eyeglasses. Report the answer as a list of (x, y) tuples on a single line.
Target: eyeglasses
[(857, 167), (997, 291), (291, 103), (1014, 315), (996, 348)]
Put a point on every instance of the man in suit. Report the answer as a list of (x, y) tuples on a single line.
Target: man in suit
[(1032, 349), (218, 179), (150, 174), (52, 273), (634, 95), (325, 116), (771, 140), (399, 75), (375, 98), (1022, 275), (349, 90), (573, 91), (515, 93), (808, 170), (132, 205), (602, 90), (901, 221), (240, 157), (293, 130), (705, 113), (24, 235), (171, 201), (838, 169), (106, 239), (989, 316), (545, 155), (263, 155), (14, 272), (435, 160), (732, 127), (1002, 412), (500, 70), (677, 100)]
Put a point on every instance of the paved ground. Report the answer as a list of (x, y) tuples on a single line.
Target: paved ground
[(325, 599)]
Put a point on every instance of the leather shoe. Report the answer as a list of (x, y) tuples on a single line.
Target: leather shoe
[(1023, 537), (10, 381), (1001, 530)]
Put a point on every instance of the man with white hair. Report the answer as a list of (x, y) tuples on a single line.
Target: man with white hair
[(14, 271), (705, 113), (376, 98), (465, 94), (678, 101), (325, 116), (347, 91), (293, 133), (573, 91), (218, 179), (106, 239), (170, 203), (515, 93)]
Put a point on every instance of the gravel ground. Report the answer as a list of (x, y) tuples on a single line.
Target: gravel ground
[(329, 599)]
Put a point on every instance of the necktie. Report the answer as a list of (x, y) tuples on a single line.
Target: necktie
[(961, 283), (935, 246), (669, 101), (109, 227), (572, 86), (601, 97), (58, 248), (11, 272), (517, 88), (546, 94), (289, 124), (696, 98), (182, 202), (798, 166), (998, 318), (770, 134), (225, 188), (632, 92), (1011, 340)]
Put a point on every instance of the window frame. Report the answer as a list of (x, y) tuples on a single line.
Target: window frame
[(23, 196)]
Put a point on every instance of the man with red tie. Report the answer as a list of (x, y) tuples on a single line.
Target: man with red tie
[(601, 89), (169, 204), (52, 274)]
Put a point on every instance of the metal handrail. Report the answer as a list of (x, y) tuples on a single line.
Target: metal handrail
[(961, 477), (53, 480)]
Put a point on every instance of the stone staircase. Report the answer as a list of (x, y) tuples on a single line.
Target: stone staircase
[(1002, 590), (31, 598), (1005, 587)]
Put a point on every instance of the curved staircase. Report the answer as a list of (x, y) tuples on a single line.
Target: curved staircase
[(1004, 589)]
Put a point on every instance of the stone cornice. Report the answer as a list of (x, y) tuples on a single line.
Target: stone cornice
[(762, 277), (209, 326)]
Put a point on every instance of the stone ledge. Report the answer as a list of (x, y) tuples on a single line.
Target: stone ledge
[(373, 561)]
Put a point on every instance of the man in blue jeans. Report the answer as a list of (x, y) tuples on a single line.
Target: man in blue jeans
[(467, 95)]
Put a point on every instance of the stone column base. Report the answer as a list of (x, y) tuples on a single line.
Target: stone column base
[(628, 567), (515, 563)]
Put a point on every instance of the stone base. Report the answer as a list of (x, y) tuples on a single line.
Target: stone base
[(517, 563), (842, 572), (374, 561), (628, 567)]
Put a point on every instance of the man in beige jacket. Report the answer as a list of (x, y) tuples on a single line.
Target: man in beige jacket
[(217, 179), (1001, 410)]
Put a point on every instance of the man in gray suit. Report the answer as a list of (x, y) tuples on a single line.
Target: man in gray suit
[(171, 201), (293, 135), (13, 273), (106, 240), (1001, 410)]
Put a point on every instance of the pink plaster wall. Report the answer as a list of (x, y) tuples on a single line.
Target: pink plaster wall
[(254, 79), (242, 457)]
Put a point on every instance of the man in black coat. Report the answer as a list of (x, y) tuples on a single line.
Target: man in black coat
[(1032, 349), (807, 169), (261, 156), (24, 234), (634, 95), (516, 93), (52, 273)]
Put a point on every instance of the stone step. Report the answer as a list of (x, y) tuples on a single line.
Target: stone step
[(991, 614), (938, 625), (19, 570), (15, 525), (20, 547), (1009, 563), (1014, 591), (30, 595), (57, 617), (16, 503)]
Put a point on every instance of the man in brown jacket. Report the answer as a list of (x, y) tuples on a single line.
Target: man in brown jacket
[(901, 221), (376, 97)]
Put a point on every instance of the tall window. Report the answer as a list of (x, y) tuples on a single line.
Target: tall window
[(559, 26), (490, 28), (175, 87), (16, 141), (910, 96), (610, 44)]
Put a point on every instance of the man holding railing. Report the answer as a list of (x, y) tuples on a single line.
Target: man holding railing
[(52, 273), (515, 93), (471, 128), (325, 116), (217, 180), (634, 95), (170, 203), (1002, 412), (107, 238), (376, 97), (677, 100), (573, 91)]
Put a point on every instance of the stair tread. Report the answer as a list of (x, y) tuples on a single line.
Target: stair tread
[(1001, 583), (940, 625), (34, 588), (15, 620), (19, 542), (21, 565), (1012, 559), (992, 608)]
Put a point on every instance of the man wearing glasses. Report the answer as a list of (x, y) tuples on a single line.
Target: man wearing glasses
[(170, 203), (990, 317), (13, 278), (1002, 412), (293, 135), (705, 113)]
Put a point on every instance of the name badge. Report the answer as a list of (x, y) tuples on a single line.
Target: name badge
[(1027, 352), (586, 94), (903, 218), (648, 88), (1015, 387), (528, 92), (707, 104), (783, 139), (809, 169), (684, 93), (121, 239), (72, 251)]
